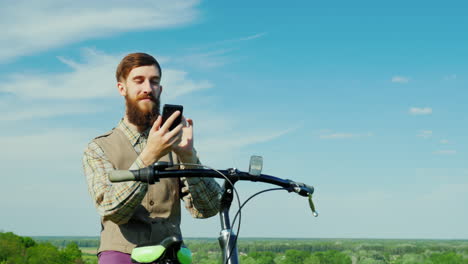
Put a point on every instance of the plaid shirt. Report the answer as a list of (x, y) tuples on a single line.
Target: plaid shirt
[(117, 201)]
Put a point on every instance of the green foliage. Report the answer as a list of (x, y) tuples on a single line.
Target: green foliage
[(73, 253), (24, 250), (333, 257), (28, 242), (247, 260), (44, 253), (90, 259), (11, 246), (263, 257), (447, 257), (293, 256)]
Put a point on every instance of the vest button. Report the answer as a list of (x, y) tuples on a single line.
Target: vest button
[(151, 203)]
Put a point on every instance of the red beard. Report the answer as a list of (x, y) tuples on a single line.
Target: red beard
[(142, 118)]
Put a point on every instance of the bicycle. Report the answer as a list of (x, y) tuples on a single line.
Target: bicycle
[(172, 250)]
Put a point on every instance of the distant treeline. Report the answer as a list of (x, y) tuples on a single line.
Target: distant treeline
[(64, 241), (278, 245), (361, 251), (313, 251)]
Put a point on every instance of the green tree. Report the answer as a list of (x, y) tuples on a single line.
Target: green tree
[(370, 261), (45, 253), (312, 259), (333, 257), (72, 253), (411, 259), (293, 256), (263, 257), (247, 260), (28, 242), (447, 257), (11, 247)]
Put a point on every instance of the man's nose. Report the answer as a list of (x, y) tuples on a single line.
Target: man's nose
[(146, 87)]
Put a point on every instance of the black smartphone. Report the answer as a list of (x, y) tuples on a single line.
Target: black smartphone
[(168, 110)]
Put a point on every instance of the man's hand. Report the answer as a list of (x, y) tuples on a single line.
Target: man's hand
[(184, 149), (160, 140)]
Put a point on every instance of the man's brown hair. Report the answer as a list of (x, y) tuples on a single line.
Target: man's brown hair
[(132, 61)]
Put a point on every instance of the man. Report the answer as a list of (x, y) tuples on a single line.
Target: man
[(133, 213)]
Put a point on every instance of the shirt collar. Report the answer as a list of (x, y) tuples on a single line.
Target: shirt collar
[(132, 134)]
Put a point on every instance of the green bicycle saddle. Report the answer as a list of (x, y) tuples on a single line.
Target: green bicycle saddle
[(149, 253)]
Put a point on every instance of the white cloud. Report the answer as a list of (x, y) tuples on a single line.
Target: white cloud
[(445, 152), (30, 27), (420, 111), (259, 35), (400, 79), (176, 84), (94, 78), (206, 60), (230, 41), (39, 111), (218, 57), (61, 94), (344, 135), (425, 133)]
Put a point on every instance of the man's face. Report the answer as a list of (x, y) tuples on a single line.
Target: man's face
[(142, 90)]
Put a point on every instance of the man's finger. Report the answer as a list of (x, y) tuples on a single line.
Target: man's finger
[(177, 137), (157, 123), (189, 129), (170, 120), (184, 121), (175, 141), (190, 122), (175, 131)]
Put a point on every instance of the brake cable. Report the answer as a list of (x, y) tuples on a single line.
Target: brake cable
[(235, 192)]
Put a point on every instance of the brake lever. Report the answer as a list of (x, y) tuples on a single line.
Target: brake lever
[(304, 190), (312, 206)]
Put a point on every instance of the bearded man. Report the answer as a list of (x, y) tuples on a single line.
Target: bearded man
[(134, 213)]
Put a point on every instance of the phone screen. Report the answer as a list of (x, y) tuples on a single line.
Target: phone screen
[(168, 110)]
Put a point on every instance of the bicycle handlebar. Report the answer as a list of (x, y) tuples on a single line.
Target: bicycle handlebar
[(153, 173), (227, 238)]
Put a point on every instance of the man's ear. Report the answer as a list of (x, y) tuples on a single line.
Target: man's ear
[(160, 90), (122, 89)]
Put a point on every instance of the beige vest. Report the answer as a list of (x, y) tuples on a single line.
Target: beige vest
[(158, 215)]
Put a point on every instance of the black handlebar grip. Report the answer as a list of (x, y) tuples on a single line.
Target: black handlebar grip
[(146, 175), (121, 176)]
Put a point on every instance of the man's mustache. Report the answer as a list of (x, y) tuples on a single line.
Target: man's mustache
[(146, 96)]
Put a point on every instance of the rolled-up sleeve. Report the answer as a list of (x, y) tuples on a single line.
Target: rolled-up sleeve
[(201, 196), (113, 201)]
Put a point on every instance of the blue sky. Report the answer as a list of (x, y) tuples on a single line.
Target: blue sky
[(363, 100)]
